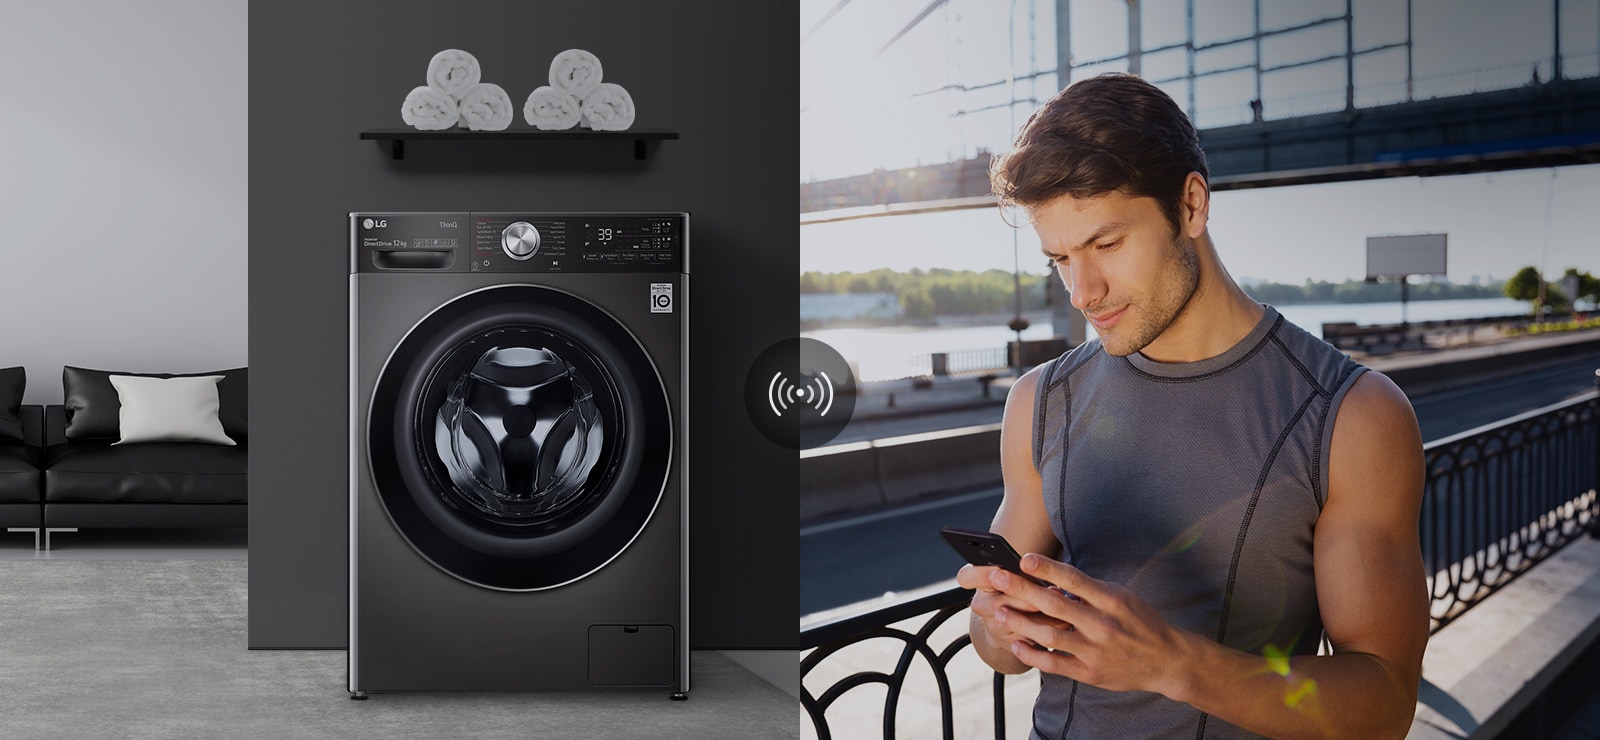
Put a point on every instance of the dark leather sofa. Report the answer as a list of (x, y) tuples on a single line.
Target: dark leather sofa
[(21, 476), (65, 473), (93, 483)]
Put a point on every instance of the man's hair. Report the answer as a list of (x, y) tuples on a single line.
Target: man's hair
[(1114, 132)]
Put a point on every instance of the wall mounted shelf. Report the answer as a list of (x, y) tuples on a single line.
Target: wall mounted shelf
[(395, 139)]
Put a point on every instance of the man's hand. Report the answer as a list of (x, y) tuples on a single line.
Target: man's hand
[(989, 597), (1100, 634)]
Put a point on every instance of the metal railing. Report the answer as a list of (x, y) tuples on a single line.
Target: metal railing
[(1498, 500), (1501, 498), (963, 362), (1348, 336)]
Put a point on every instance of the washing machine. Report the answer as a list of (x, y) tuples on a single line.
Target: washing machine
[(518, 450)]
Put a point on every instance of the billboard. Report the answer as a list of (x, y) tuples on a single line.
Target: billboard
[(1399, 256)]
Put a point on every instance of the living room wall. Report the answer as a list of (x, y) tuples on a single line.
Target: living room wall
[(123, 187)]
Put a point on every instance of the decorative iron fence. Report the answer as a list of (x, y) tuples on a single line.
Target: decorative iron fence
[(1501, 498), (1498, 500)]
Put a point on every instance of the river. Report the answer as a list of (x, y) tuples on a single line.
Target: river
[(885, 353)]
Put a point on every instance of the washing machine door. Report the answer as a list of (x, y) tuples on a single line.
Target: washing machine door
[(520, 438)]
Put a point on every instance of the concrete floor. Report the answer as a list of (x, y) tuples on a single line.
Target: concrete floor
[(141, 634)]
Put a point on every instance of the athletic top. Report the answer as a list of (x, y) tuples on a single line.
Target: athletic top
[(1197, 486)]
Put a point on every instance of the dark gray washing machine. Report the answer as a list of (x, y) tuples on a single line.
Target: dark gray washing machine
[(518, 451)]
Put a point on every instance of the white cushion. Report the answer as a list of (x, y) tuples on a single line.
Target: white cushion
[(169, 409)]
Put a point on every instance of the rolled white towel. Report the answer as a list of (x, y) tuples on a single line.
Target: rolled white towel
[(549, 109), (608, 108), (430, 110), (454, 72), (486, 107), (575, 72)]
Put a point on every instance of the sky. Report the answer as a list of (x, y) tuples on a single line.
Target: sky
[(860, 112)]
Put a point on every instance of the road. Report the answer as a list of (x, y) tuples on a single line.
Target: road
[(864, 557)]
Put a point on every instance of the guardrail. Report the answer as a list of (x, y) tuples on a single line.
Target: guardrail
[(882, 472), (1390, 337), (990, 360), (1501, 498), (964, 362), (1498, 500)]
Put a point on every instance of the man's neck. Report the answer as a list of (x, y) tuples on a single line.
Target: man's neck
[(1218, 316)]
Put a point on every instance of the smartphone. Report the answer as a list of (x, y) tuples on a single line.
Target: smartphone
[(986, 548)]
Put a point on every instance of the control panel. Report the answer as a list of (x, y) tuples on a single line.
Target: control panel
[(519, 242)]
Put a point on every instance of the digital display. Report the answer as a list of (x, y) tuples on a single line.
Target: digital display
[(629, 235)]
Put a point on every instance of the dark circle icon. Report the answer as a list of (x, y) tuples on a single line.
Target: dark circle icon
[(663, 300), (800, 393)]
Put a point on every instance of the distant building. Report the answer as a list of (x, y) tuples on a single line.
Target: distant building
[(849, 306)]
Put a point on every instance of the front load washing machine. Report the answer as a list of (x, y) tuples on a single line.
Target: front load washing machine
[(518, 451)]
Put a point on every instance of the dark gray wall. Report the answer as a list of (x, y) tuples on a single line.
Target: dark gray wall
[(723, 74)]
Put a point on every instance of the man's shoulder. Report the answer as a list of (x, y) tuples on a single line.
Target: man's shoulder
[(1375, 403), (1072, 359), (1052, 372), (1330, 368)]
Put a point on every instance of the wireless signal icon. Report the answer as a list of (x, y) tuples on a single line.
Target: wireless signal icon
[(799, 393), (783, 393)]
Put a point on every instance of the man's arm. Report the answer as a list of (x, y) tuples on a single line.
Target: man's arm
[(1021, 519), (1370, 588)]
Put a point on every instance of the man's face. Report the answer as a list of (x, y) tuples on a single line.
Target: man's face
[(1127, 272)]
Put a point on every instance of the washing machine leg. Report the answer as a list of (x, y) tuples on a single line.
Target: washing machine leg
[(358, 696), (680, 696)]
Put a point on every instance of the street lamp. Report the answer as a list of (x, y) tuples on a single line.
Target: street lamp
[(1018, 323)]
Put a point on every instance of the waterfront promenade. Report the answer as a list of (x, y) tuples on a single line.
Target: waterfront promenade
[(1513, 665)]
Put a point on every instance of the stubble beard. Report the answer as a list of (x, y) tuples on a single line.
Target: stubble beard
[(1169, 301)]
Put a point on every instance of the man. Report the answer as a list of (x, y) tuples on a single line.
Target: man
[(1206, 490)]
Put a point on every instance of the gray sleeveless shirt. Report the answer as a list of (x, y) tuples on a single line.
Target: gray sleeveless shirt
[(1197, 486)]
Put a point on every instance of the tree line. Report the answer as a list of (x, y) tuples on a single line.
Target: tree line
[(1524, 286), (926, 293)]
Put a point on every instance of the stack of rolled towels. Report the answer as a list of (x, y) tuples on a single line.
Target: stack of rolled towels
[(576, 96), (455, 95)]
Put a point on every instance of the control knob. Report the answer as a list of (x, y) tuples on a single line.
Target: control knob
[(520, 240)]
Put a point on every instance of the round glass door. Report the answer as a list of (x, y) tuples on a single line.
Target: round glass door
[(520, 438)]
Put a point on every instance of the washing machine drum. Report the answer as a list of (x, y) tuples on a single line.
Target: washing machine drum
[(520, 438)]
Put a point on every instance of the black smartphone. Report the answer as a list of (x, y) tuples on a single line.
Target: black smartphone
[(986, 548)]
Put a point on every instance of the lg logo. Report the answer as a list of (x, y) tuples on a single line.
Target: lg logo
[(371, 224)]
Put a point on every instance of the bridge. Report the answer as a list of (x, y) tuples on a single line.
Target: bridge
[(1511, 116)]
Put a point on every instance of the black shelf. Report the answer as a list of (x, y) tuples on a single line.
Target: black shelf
[(397, 137)]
